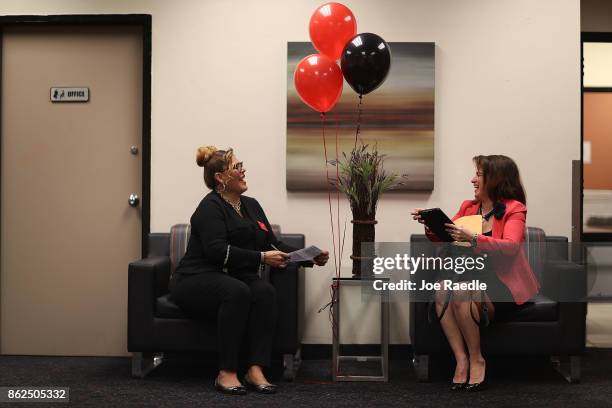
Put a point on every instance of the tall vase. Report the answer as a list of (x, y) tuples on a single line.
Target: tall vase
[(363, 231)]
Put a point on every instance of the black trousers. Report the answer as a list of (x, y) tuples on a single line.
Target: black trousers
[(241, 306)]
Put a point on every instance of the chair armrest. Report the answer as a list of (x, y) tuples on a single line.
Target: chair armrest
[(564, 281), (557, 248), (155, 268), (147, 279), (421, 245), (572, 320), (289, 286)]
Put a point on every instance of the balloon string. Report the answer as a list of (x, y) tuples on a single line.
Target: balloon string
[(333, 289), (358, 120), (331, 217), (338, 195), (334, 286)]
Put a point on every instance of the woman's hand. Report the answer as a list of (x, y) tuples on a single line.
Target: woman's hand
[(459, 233), (276, 259), (416, 215), (322, 258)]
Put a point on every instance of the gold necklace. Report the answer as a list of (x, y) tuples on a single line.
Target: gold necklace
[(235, 206)]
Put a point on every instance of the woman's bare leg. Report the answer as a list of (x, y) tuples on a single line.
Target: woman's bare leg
[(455, 339), (464, 308)]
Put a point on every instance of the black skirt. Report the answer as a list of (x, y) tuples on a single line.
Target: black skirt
[(497, 291)]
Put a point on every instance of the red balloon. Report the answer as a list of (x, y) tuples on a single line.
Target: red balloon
[(331, 26), (318, 81)]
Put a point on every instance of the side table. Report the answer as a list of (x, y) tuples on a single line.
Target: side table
[(339, 372)]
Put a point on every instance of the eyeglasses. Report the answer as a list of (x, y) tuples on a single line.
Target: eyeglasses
[(238, 166), (479, 174)]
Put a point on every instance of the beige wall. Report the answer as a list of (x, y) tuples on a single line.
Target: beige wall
[(507, 81)]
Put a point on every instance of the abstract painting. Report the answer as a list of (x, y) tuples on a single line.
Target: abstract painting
[(398, 118)]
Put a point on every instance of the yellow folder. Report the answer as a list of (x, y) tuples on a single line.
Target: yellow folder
[(472, 223)]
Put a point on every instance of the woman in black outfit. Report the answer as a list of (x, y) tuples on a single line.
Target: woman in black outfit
[(231, 240)]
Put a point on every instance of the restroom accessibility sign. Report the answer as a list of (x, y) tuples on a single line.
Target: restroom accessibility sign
[(64, 94)]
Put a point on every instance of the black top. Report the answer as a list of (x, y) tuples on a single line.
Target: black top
[(216, 226)]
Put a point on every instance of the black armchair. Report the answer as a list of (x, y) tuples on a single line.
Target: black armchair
[(543, 327), (157, 325)]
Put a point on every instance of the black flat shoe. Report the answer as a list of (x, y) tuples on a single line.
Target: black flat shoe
[(237, 390), (476, 386), (261, 388), (458, 386)]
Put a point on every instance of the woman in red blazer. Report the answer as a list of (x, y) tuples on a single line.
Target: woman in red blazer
[(500, 198)]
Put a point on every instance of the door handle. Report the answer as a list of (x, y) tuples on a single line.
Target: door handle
[(133, 200)]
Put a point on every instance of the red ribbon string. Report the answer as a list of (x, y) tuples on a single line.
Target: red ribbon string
[(338, 196), (333, 287), (331, 217)]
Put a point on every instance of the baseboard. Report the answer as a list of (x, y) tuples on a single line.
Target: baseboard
[(324, 351)]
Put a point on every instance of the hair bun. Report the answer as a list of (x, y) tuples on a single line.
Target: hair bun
[(204, 154)]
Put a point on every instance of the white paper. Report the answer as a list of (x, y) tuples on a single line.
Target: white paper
[(305, 254)]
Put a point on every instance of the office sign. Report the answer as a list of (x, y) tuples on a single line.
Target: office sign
[(73, 94)]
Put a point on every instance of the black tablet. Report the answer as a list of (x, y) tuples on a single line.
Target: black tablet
[(435, 219)]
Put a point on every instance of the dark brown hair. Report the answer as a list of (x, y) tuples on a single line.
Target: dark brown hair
[(501, 178), (214, 161)]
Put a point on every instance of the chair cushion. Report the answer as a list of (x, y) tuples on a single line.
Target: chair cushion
[(179, 237), (165, 307), (538, 309), (535, 242)]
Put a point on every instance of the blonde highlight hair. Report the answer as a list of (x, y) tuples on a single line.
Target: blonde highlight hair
[(214, 161)]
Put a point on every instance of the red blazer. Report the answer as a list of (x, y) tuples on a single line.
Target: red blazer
[(505, 244)]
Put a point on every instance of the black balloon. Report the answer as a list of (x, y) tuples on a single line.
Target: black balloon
[(365, 62)]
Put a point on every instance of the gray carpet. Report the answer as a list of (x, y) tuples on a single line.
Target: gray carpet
[(181, 382)]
